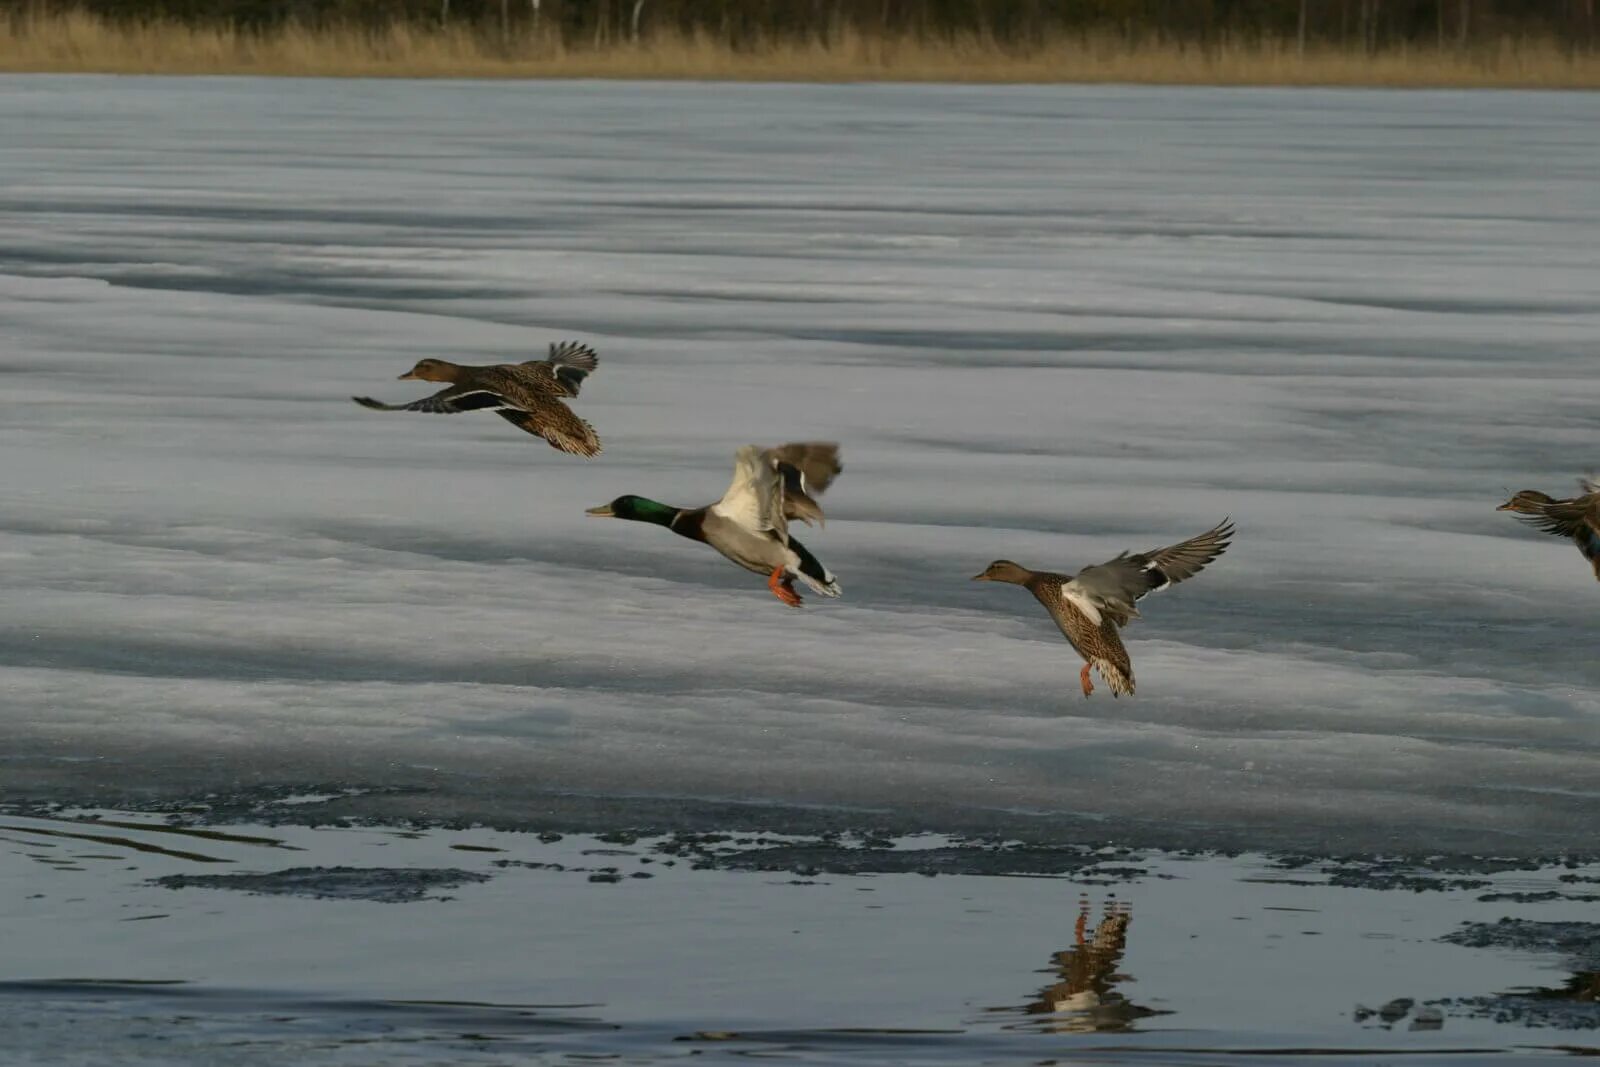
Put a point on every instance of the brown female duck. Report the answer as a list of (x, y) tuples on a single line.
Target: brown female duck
[(1577, 518), (527, 395), (1091, 605)]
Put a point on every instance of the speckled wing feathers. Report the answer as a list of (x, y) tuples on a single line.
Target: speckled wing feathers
[(556, 423)]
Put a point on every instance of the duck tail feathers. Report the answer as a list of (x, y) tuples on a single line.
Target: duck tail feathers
[(811, 571), (1119, 679)]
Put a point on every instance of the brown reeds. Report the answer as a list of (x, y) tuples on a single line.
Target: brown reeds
[(78, 42)]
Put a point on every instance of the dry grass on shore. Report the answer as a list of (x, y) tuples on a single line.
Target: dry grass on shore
[(83, 44)]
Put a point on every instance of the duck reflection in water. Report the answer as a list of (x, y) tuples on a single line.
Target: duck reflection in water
[(1084, 997)]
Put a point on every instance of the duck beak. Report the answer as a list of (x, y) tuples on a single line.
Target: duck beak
[(982, 577), (409, 376), (1504, 507), (602, 512)]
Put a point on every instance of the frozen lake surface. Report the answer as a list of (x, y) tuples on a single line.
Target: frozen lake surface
[(1046, 324)]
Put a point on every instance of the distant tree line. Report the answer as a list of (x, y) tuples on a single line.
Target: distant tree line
[(1371, 25)]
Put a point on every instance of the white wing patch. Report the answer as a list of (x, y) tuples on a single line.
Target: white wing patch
[(1081, 600), (504, 405), (749, 500)]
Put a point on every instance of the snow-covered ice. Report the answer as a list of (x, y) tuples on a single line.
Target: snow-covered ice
[(1046, 324)]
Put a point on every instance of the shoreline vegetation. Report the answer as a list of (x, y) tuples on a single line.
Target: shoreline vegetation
[(41, 40)]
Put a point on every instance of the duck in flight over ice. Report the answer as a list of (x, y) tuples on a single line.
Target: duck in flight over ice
[(530, 396), (1576, 518), (1092, 605), (750, 524)]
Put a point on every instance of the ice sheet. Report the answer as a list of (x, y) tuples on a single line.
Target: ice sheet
[(1046, 324)]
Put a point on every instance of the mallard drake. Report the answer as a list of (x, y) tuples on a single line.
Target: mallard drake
[(1577, 518), (750, 524), (1091, 605), (527, 395)]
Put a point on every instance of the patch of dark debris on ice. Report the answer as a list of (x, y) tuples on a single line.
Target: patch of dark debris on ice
[(384, 885), (1394, 1012), (1572, 1005), (1578, 942), (873, 854), (1438, 874)]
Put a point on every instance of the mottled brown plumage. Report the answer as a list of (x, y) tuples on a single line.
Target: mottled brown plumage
[(528, 395), (1576, 518), (1093, 604)]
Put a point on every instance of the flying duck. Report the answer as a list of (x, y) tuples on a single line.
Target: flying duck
[(1093, 604), (750, 524), (1577, 518), (527, 395)]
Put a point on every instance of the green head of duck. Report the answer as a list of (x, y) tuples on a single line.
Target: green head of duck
[(637, 508)]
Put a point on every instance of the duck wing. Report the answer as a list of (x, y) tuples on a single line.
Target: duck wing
[(806, 467), (1564, 518), (451, 401), (569, 363), (1113, 588), (556, 423), (754, 500), (1187, 558)]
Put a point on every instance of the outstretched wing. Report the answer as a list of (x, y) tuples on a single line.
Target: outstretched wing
[(754, 500), (1186, 558), (563, 373), (556, 423), (817, 461), (1564, 518), (1114, 587), (449, 401), (807, 468)]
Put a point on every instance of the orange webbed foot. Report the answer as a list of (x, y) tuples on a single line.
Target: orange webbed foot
[(1083, 677), (783, 588)]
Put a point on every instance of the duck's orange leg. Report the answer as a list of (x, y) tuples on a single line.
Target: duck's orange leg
[(1083, 676), (783, 588)]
